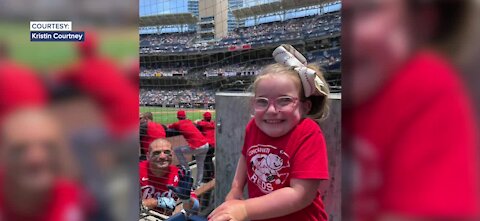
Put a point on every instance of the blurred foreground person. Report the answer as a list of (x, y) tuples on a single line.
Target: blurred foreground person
[(97, 106), (410, 124), (35, 167)]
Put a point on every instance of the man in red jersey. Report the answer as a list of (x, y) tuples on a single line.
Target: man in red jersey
[(152, 132), (34, 175), (161, 183), (207, 126), (198, 145)]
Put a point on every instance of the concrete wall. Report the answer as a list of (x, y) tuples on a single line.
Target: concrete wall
[(233, 113)]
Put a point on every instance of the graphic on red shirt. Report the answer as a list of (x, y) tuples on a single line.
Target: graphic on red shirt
[(273, 162), (270, 167), (153, 186)]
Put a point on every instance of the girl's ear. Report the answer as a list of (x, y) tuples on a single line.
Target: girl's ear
[(307, 106)]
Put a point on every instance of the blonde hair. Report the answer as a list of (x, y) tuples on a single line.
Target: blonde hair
[(320, 104)]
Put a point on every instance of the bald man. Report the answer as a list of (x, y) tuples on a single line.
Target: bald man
[(150, 131), (162, 184), (33, 170)]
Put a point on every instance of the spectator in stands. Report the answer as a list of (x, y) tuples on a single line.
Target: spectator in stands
[(150, 131), (197, 144), (207, 126), (162, 184)]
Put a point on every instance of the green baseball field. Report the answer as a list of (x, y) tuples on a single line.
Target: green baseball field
[(167, 115)]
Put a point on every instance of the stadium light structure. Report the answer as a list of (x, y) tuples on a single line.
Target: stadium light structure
[(275, 6), (168, 19)]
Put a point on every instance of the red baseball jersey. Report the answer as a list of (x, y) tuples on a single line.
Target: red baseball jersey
[(273, 162), (415, 145), (65, 203), (208, 130), (153, 186), (154, 131), (191, 133)]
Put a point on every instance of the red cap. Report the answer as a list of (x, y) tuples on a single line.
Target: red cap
[(207, 116), (181, 114), (89, 45), (20, 87)]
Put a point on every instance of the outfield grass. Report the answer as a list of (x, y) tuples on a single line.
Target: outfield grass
[(169, 115), (46, 56)]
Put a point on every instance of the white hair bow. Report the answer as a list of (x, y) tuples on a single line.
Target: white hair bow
[(312, 84)]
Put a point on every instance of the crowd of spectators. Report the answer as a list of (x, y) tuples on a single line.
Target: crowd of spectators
[(328, 59), (166, 38), (164, 72), (184, 97), (285, 30), (261, 34)]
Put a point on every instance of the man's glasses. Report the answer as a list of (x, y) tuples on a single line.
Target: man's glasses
[(283, 103)]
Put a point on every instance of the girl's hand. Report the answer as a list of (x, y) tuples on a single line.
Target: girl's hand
[(233, 210), (234, 194)]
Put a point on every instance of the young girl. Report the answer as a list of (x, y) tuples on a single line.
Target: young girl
[(284, 155)]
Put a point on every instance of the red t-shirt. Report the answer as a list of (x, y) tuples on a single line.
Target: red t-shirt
[(208, 130), (273, 162), (152, 186), (415, 145), (154, 131), (193, 136), (66, 203)]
